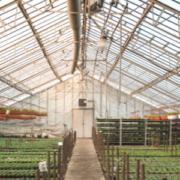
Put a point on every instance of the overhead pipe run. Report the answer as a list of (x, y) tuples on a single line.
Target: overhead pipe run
[(75, 24)]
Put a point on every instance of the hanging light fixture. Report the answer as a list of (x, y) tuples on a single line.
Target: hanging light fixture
[(103, 43)]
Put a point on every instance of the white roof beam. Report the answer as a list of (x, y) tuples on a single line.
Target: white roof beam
[(129, 39), (24, 12)]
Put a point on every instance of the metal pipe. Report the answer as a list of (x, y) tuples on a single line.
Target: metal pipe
[(75, 23)]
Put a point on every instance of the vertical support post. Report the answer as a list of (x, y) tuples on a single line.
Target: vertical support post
[(47, 99), (44, 175), (142, 109), (117, 163), (54, 174), (37, 174), (49, 165), (142, 172), (103, 152), (59, 163), (170, 132), (120, 132), (93, 103), (137, 169), (176, 146), (112, 161), (123, 168), (120, 66), (108, 173), (127, 166), (64, 103)]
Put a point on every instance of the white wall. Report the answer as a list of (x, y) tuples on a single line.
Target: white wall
[(63, 97)]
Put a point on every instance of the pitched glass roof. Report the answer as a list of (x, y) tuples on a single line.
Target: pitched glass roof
[(150, 43)]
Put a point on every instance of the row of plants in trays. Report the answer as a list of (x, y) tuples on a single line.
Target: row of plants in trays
[(129, 124), (29, 145), (150, 155), (156, 168), (16, 111), (171, 115), (108, 124), (132, 129), (109, 135), (4, 117), (24, 166), (24, 156), (20, 173), (132, 140)]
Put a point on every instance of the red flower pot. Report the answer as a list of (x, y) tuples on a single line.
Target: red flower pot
[(3, 115), (158, 118), (146, 116), (2, 111)]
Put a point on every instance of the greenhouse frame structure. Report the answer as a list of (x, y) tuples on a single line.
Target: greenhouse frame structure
[(142, 60)]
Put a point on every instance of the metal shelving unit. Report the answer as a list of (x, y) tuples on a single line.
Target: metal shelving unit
[(109, 128), (133, 131), (137, 131)]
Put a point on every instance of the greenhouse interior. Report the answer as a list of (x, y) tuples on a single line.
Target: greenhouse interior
[(89, 90)]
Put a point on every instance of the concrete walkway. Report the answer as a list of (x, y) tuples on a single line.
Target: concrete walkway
[(84, 164)]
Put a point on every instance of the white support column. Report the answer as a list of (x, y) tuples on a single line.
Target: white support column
[(47, 101), (64, 102), (32, 128), (55, 104), (93, 103), (72, 102), (117, 104), (142, 109), (134, 104)]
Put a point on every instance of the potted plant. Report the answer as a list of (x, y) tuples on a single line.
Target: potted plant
[(158, 117), (15, 111), (151, 117), (3, 110)]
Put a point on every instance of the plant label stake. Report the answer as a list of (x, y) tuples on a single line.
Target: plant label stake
[(43, 166), (60, 143)]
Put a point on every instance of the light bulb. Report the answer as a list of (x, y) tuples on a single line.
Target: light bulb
[(103, 43)]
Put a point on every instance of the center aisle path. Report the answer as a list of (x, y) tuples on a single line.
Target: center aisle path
[(84, 164)]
